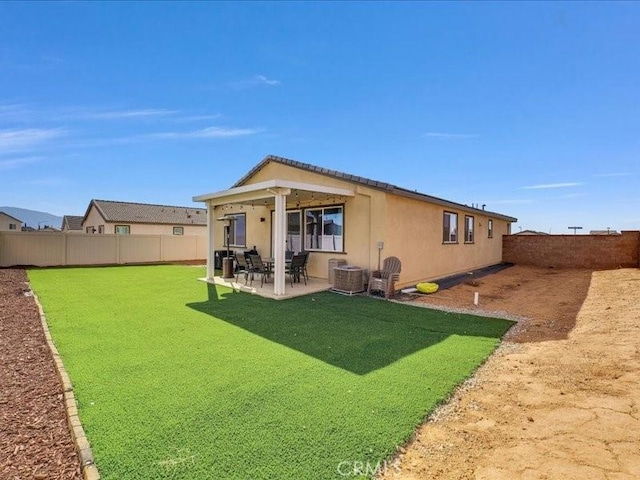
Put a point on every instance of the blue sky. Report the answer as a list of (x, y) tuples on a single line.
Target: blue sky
[(530, 108)]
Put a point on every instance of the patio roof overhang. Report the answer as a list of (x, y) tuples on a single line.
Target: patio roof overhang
[(275, 189), (268, 189)]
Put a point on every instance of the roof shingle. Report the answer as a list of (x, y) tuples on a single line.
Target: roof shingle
[(72, 222)]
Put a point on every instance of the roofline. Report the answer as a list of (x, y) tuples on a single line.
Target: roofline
[(11, 216), (104, 217), (374, 184)]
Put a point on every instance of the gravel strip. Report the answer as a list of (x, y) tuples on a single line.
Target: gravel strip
[(35, 442)]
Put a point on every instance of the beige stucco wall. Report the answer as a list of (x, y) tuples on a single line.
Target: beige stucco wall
[(94, 219), (414, 235), (6, 220), (410, 229)]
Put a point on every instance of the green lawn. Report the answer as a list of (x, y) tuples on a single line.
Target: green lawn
[(179, 379)]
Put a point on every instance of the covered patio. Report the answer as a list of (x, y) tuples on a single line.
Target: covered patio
[(313, 285), (274, 196)]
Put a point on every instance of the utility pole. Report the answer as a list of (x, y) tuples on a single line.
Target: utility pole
[(575, 229)]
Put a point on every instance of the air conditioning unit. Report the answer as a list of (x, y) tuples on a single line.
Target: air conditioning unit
[(348, 279)]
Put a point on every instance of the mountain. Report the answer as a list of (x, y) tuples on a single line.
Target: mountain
[(33, 218)]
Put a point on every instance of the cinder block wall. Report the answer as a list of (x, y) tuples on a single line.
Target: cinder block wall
[(573, 251)]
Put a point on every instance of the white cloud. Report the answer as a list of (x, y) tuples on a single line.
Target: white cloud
[(617, 174), (198, 118), (120, 114), (210, 132), (255, 81), (553, 185), (450, 136), (266, 81), (24, 139), (11, 163)]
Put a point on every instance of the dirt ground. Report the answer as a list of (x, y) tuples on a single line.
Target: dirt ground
[(560, 397), (35, 442)]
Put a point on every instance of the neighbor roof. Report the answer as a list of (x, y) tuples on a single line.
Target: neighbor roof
[(530, 232), (72, 222), (386, 187), (129, 212), (11, 216)]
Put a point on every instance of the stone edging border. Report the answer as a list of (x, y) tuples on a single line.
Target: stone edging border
[(83, 449)]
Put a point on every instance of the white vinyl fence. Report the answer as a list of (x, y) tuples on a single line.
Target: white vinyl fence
[(46, 249)]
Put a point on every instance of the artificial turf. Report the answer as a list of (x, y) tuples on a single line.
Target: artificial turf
[(176, 378)]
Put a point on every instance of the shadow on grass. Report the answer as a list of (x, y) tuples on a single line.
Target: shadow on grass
[(357, 334)]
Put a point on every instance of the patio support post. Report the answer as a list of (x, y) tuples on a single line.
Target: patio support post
[(279, 234), (211, 245)]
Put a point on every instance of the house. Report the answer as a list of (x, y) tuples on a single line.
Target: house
[(9, 223), (530, 232), (72, 224), (283, 204), (124, 218), (604, 232)]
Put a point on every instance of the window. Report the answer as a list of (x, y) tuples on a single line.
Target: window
[(100, 228), (237, 231), (468, 228), (89, 229), (123, 229), (450, 228), (324, 229), (12, 226), (293, 239), (490, 228), (178, 230)]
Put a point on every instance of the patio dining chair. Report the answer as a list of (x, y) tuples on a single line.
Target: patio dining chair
[(243, 268), (304, 267), (295, 269), (384, 280), (257, 266)]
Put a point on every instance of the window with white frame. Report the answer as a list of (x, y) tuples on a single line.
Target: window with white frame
[(324, 229), (237, 230), (13, 226), (450, 228), (123, 229), (469, 224), (178, 230), (490, 228)]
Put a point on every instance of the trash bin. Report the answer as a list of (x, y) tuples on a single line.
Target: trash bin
[(227, 267)]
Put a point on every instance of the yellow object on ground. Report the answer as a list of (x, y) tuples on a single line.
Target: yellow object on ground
[(427, 287)]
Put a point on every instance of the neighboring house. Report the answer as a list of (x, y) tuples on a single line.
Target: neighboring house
[(9, 223), (72, 224), (337, 215), (530, 232), (603, 232), (127, 218)]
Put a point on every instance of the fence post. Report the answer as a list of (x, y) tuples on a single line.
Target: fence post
[(118, 248), (64, 249)]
